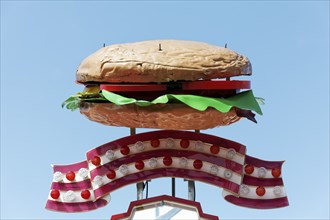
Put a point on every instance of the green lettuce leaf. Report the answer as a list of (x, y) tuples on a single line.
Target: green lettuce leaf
[(72, 103), (244, 100)]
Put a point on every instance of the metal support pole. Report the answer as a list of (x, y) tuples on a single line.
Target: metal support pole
[(173, 187), (191, 190), (191, 185), (139, 190), (139, 186), (132, 131)]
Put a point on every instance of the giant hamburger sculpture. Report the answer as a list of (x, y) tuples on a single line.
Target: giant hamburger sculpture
[(172, 85), (164, 84)]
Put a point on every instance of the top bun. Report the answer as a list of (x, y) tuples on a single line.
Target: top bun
[(161, 61)]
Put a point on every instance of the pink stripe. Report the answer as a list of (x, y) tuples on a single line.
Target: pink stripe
[(166, 172), (75, 207), (166, 134), (85, 184), (70, 167), (258, 203), (102, 170), (253, 181), (262, 163)]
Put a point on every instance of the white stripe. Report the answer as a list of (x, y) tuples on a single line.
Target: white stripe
[(76, 195), (196, 146), (235, 178), (251, 194), (268, 174), (78, 178)]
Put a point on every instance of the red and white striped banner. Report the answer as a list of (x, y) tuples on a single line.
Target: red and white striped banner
[(223, 163), (262, 186)]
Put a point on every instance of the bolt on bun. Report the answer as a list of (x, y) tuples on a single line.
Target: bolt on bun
[(165, 84)]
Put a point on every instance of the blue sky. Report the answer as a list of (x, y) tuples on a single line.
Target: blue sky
[(42, 43)]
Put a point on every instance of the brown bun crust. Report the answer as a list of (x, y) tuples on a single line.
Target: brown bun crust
[(161, 61), (160, 116)]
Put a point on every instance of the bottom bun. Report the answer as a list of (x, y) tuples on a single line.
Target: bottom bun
[(159, 116)]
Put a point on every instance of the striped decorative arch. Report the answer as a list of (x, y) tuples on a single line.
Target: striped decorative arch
[(166, 153)]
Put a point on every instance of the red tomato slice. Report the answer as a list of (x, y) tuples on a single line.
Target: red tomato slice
[(195, 85), (215, 85)]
